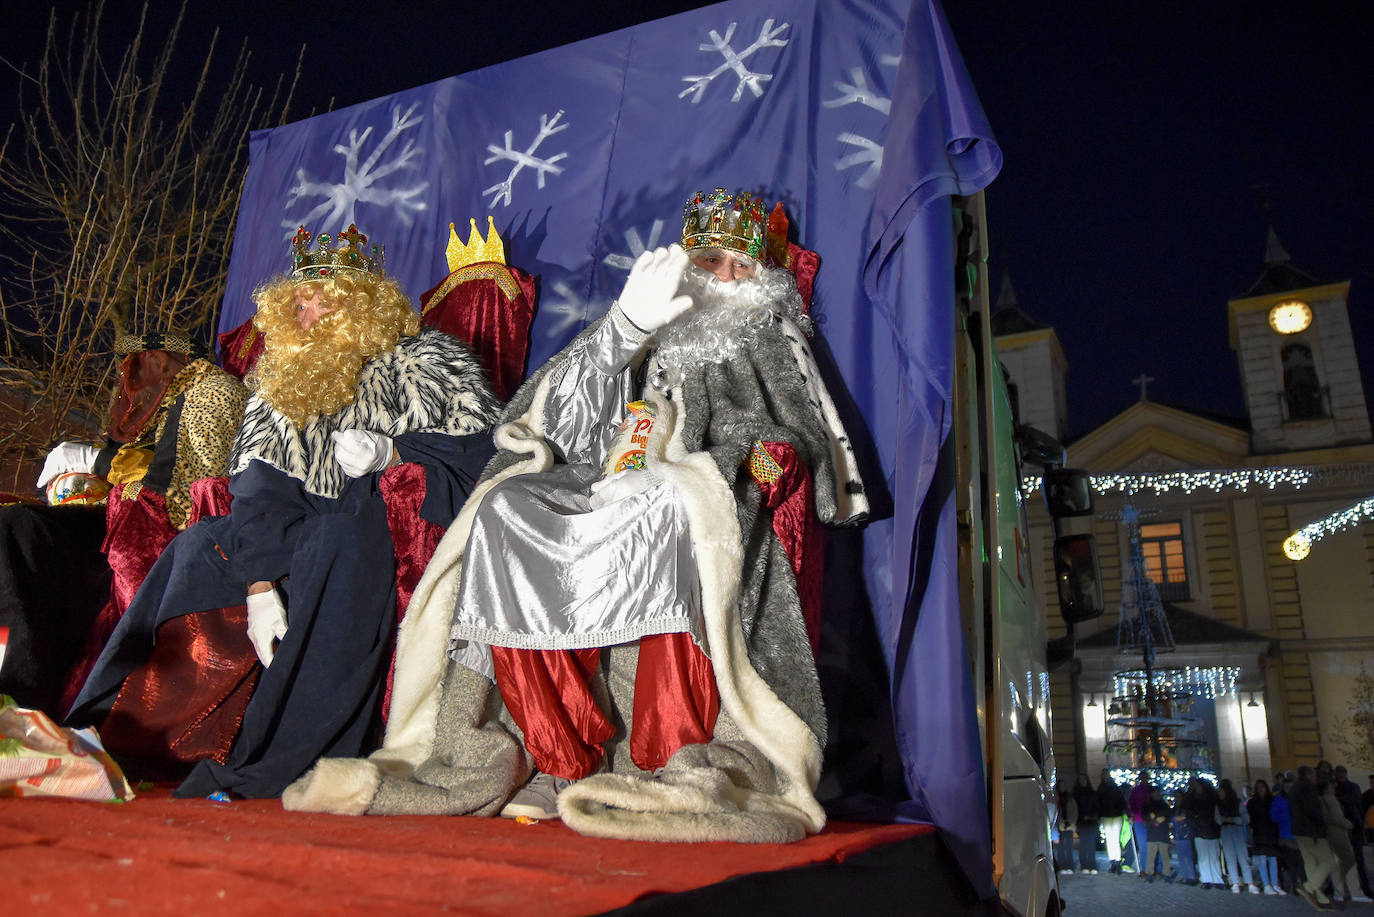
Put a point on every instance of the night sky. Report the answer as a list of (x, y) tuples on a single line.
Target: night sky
[(1140, 141)]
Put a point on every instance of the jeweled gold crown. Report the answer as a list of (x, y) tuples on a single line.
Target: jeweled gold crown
[(351, 254), (477, 249), (734, 222)]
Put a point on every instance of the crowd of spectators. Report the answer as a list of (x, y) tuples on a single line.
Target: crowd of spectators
[(1309, 833)]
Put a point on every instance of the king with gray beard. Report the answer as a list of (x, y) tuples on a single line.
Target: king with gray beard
[(637, 622)]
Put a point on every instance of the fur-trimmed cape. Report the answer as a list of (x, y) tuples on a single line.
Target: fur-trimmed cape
[(428, 383), (758, 787)]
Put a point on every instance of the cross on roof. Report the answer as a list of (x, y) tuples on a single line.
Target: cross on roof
[(1142, 380)]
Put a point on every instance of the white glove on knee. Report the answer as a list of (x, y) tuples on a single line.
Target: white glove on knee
[(650, 298), (361, 452), (266, 623), (618, 486), (67, 457)]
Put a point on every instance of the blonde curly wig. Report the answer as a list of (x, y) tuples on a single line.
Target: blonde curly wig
[(304, 373)]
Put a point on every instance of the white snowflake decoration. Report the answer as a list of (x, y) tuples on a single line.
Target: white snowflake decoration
[(857, 92), (569, 308), (768, 38), (637, 247), (501, 191), (362, 181), (868, 152)]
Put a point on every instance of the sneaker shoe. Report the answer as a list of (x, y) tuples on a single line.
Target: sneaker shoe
[(1235, 889), (538, 799), (1252, 889), (1363, 899), (1271, 890)]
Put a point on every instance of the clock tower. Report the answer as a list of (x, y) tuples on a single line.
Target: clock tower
[(1298, 366)]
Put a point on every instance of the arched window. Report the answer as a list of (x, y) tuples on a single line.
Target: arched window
[(1301, 388)]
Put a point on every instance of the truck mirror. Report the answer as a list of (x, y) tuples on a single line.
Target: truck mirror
[(1075, 570), (1038, 447), (1068, 492)]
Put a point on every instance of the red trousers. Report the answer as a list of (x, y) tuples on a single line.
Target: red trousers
[(548, 695)]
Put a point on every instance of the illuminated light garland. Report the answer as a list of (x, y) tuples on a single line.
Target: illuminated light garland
[(1161, 482), (1169, 780), (1219, 479), (1299, 544), (1203, 681)]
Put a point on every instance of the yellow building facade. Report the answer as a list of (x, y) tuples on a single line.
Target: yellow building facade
[(1217, 498)]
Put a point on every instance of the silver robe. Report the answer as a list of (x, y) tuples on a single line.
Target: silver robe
[(543, 569)]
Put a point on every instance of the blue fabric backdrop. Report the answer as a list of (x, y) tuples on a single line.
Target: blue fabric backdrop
[(857, 114)]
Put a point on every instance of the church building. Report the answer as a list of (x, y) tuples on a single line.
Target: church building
[(1264, 649)]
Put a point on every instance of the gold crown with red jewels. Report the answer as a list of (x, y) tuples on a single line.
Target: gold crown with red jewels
[(737, 223), (326, 259)]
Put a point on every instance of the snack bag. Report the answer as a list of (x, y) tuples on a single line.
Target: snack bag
[(40, 758), (627, 448)]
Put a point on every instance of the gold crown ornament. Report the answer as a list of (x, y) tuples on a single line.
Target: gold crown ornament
[(351, 254), (733, 222), (477, 250)]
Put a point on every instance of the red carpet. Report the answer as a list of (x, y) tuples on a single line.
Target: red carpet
[(159, 855)]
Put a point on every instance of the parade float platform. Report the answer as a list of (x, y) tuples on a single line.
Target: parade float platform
[(159, 855)]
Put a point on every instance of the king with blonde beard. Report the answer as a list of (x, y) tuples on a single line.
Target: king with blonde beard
[(348, 385)]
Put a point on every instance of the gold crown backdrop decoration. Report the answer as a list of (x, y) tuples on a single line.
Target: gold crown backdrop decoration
[(326, 259), (477, 249), (734, 222)]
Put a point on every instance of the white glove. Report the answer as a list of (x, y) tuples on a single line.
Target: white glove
[(650, 297), (266, 623), (361, 452), (67, 457), (618, 486)]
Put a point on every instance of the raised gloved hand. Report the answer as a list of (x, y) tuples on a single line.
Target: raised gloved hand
[(650, 297), (361, 452), (615, 487), (67, 457), (266, 623)]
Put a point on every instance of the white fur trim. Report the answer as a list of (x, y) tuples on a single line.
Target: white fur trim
[(339, 786), (716, 540), (848, 506), (422, 640)]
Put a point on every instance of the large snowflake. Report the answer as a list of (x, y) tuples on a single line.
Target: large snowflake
[(570, 308), (636, 246), (768, 38), (501, 191), (363, 180), (866, 152)]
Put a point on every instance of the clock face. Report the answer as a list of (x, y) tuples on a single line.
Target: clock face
[(1290, 317)]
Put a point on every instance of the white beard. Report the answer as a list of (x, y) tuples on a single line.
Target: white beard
[(724, 319)]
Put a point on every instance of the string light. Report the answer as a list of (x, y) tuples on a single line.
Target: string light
[(1201, 681), (1219, 479), (1299, 544), (1170, 780)]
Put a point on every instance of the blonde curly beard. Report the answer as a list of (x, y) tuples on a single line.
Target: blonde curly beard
[(309, 372)]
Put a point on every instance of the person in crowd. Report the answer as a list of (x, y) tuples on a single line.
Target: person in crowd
[(1291, 871), (1183, 841), (1344, 878), (1089, 815), (1230, 813), (1264, 837), (348, 385), (1111, 803), (1156, 815), (1306, 811), (1352, 807), (1135, 811), (1065, 820), (1200, 807)]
